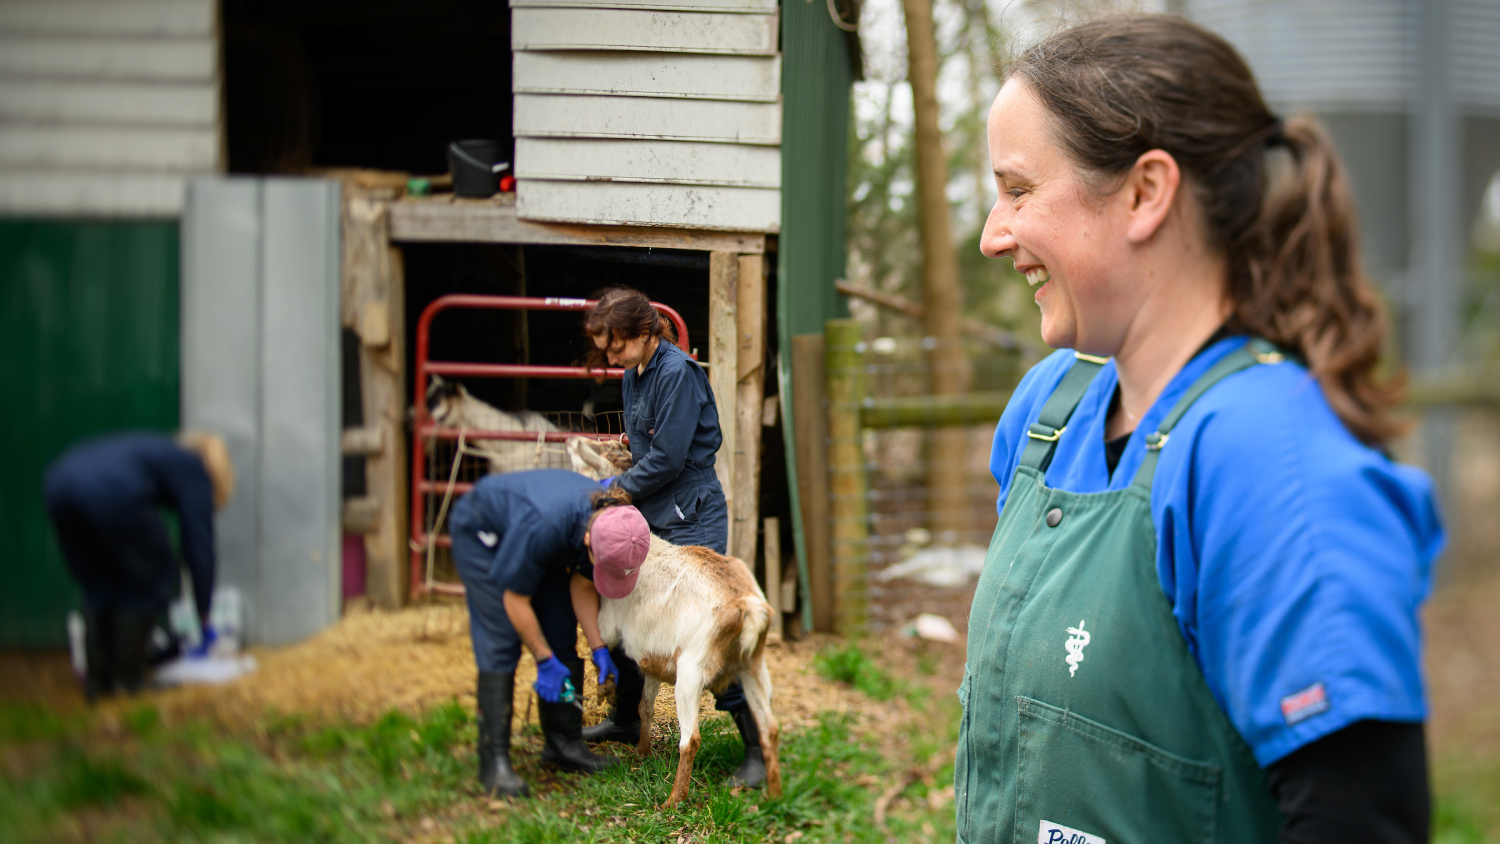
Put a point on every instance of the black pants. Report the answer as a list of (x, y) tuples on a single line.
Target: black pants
[(121, 560)]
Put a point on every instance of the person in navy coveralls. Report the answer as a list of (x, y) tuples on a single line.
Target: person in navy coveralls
[(103, 498), (531, 548)]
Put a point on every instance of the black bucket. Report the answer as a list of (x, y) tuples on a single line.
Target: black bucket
[(476, 167)]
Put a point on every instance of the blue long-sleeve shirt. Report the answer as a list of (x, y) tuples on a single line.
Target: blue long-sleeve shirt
[(673, 423), (127, 476)]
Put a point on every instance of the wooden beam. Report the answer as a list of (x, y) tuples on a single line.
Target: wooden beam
[(810, 433), (773, 574), (723, 353), (750, 391), (451, 220), (374, 306)]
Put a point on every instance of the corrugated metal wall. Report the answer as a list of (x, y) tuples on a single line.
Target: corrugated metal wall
[(260, 352), (654, 113), (88, 340), (106, 106), (1357, 54)]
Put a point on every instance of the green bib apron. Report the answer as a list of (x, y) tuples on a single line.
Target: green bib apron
[(1086, 719)]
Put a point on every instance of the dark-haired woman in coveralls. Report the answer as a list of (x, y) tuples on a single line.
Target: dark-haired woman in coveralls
[(673, 424)]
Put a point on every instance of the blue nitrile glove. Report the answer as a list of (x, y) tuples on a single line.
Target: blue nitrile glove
[(605, 482), (210, 636), (549, 679), (605, 665)]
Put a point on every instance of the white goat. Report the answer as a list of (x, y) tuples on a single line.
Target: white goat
[(450, 404), (697, 620)]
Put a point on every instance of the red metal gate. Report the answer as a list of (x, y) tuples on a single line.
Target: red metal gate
[(426, 433)]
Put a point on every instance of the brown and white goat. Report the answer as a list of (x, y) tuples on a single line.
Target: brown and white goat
[(697, 620)]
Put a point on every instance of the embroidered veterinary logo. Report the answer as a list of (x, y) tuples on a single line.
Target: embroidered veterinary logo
[(1056, 833), (1078, 638)]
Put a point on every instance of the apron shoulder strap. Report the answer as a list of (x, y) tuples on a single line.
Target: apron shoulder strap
[(1256, 351), (1041, 439)]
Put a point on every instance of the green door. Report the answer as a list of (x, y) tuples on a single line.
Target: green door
[(88, 345)]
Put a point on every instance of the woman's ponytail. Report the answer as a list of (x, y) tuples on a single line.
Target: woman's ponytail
[(1303, 287)]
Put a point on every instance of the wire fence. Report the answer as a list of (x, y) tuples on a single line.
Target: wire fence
[(911, 497)]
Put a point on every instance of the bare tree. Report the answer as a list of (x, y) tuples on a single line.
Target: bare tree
[(942, 295)]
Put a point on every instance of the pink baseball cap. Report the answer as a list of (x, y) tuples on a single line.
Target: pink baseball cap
[(619, 539)]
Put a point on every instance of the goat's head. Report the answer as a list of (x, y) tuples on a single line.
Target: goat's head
[(598, 459), (444, 400)]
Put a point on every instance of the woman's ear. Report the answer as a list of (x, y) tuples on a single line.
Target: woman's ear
[(1151, 189)]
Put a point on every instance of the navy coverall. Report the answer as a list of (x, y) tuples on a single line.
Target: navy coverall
[(523, 531), (102, 497), (673, 423)]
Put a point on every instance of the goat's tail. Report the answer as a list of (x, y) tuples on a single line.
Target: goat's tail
[(755, 621)]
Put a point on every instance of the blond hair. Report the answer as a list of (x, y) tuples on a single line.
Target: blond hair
[(215, 456)]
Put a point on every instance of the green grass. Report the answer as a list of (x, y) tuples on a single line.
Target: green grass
[(831, 781), (402, 776), (850, 664), (1466, 808)]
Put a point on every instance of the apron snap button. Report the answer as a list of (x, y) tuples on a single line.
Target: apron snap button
[(1054, 517)]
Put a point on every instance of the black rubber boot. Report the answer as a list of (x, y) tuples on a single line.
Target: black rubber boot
[(751, 772), (624, 722), (496, 776), (562, 725), (99, 675), (130, 631)]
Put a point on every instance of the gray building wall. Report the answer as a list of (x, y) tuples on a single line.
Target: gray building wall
[(260, 364)]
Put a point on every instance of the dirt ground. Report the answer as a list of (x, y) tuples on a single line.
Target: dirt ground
[(372, 662)]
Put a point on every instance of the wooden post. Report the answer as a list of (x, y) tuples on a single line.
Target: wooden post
[(849, 512), (750, 391), (773, 574), (374, 306), (723, 364), (810, 426)]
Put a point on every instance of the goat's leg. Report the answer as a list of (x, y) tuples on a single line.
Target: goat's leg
[(689, 687), (648, 714), (757, 682)]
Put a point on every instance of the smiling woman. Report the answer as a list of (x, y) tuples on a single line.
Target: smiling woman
[(1210, 436)]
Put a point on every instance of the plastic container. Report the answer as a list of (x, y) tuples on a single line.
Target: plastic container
[(476, 167)]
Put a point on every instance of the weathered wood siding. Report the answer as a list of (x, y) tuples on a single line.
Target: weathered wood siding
[(106, 107), (648, 113)]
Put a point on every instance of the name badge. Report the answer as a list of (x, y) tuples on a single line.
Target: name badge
[(1056, 833)]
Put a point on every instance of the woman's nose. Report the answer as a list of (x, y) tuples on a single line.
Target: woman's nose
[(996, 240)]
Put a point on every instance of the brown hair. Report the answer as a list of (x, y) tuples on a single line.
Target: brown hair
[(624, 314), (1121, 86), (211, 450), (603, 499)]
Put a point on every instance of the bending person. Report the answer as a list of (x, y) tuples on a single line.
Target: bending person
[(525, 545), (673, 423), (102, 497)]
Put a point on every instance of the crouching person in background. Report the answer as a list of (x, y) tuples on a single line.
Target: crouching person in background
[(103, 498), (525, 545)]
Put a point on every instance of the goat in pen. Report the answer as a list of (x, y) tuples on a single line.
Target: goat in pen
[(696, 619), (451, 405)]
